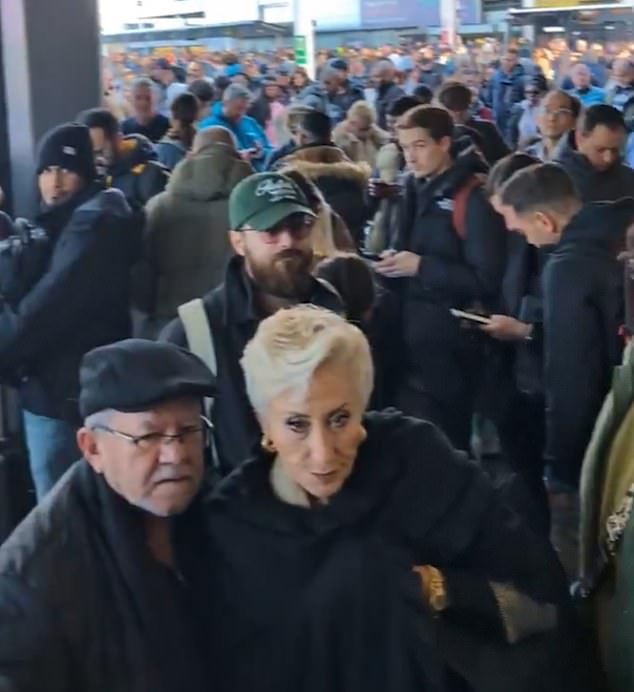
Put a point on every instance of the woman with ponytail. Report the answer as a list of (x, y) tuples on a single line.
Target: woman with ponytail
[(178, 141)]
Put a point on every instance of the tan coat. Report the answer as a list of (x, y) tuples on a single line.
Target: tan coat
[(358, 150)]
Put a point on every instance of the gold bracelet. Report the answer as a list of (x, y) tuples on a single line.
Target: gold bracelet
[(434, 587)]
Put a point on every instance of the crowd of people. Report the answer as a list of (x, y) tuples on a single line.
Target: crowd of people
[(346, 367)]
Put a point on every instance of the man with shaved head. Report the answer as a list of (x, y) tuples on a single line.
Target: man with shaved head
[(584, 90), (387, 91), (186, 242)]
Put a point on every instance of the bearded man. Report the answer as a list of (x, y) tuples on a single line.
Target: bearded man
[(272, 227)]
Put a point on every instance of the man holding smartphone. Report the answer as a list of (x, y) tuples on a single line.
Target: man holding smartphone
[(231, 113), (450, 253)]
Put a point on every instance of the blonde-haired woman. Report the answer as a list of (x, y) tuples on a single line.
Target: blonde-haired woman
[(359, 552), (359, 136)]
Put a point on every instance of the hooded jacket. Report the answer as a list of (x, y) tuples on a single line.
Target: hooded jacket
[(247, 131), (342, 182), (593, 185), (170, 151), (186, 240), (583, 311), (80, 302), (136, 171)]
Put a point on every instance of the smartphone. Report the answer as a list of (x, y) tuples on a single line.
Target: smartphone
[(472, 317), (371, 256)]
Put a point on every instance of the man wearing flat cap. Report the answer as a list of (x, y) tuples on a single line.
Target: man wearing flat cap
[(272, 238), (96, 583)]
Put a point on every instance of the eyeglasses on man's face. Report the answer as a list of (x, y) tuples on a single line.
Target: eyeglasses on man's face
[(556, 112), (152, 442)]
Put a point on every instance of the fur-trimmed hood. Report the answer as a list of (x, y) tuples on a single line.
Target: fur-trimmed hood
[(323, 161)]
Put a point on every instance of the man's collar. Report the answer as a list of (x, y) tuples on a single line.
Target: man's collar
[(240, 304)]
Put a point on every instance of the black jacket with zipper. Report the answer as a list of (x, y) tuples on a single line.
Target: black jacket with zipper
[(81, 301), (593, 185), (583, 310), (454, 272), (234, 318)]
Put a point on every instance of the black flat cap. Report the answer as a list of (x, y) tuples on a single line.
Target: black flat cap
[(137, 374)]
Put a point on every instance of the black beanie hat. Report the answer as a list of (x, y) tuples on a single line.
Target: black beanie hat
[(68, 146)]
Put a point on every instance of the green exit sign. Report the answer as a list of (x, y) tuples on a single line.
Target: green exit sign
[(300, 51)]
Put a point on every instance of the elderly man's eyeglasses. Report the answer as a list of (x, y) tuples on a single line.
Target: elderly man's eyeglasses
[(153, 441), (556, 112)]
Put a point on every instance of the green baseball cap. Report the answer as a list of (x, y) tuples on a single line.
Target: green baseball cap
[(262, 200)]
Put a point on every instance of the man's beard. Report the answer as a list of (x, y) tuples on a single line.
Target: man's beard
[(288, 275)]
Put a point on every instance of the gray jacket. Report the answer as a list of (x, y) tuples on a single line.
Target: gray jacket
[(186, 242)]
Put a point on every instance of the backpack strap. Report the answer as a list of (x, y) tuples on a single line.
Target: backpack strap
[(198, 332), (200, 342), (460, 201)]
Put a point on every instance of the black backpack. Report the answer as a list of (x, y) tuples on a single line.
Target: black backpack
[(25, 252)]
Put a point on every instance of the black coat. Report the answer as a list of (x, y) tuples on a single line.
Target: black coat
[(84, 606), (342, 182), (350, 95), (280, 153), (454, 272), (594, 186), (234, 319), (325, 599), (155, 130), (583, 311), (81, 301), (137, 172), (492, 143), (386, 95)]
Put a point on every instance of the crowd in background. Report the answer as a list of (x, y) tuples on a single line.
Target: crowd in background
[(468, 210)]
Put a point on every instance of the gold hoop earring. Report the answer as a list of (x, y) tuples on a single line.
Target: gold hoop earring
[(267, 445)]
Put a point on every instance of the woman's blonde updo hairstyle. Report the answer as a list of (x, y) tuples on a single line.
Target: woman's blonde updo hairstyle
[(292, 344)]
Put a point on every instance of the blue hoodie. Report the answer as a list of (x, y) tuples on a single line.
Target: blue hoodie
[(247, 131), (592, 96)]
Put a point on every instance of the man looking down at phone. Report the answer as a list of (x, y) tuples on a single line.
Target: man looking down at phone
[(231, 113), (450, 254), (582, 304)]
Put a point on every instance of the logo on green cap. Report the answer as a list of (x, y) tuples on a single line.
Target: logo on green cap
[(277, 190)]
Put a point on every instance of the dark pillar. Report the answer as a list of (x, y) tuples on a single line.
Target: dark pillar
[(51, 69)]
